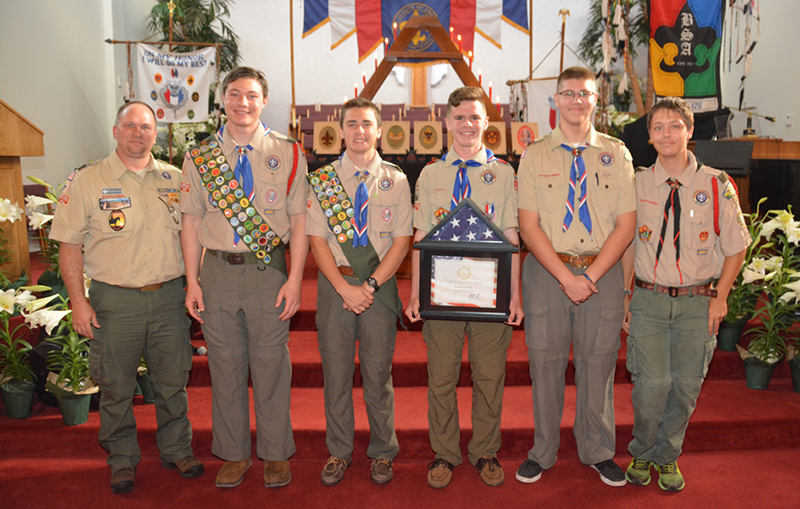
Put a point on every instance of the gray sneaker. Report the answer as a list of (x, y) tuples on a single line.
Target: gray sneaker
[(529, 472), (610, 473)]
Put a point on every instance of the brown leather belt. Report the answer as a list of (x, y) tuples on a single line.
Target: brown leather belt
[(243, 258), (346, 271), (577, 261), (675, 291), (146, 288)]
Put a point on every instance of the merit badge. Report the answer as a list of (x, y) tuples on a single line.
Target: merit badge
[(234, 221), (116, 220), (166, 175), (228, 213), (488, 177), (606, 159), (273, 163), (272, 196), (386, 215), (328, 213), (644, 233), (729, 192), (439, 214), (337, 229), (385, 183), (701, 197), (703, 236)]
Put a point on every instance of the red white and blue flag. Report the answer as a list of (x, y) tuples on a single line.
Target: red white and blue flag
[(373, 20)]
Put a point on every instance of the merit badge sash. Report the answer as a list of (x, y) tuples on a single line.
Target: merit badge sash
[(338, 209), (225, 193)]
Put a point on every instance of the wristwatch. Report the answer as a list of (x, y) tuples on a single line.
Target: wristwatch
[(627, 291), (373, 283)]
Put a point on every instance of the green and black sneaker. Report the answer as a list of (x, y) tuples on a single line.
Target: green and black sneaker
[(638, 472), (670, 477)]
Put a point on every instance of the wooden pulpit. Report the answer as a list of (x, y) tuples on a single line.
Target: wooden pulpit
[(18, 138)]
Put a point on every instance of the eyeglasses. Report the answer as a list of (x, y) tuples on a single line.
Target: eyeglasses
[(569, 94)]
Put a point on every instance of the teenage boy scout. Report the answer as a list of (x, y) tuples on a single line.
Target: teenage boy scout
[(119, 219), (690, 231), (577, 216), (244, 196), (359, 227), (468, 170)]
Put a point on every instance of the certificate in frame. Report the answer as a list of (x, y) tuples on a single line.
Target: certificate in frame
[(465, 268)]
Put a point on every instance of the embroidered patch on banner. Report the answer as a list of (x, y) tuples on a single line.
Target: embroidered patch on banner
[(606, 159), (273, 163), (701, 197), (488, 176), (116, 220), (385, 183), (645, 232)]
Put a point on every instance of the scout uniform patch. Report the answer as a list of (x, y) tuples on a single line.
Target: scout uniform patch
[(644, 233), (116, 220), (385, 183), (701, 197), (440, 213), (488, 177), (606, 159)]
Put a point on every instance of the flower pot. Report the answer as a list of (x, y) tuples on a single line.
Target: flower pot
[(730, 333), (758, 373), (18, 398), (794, 366), (146, 387), (74, 407)]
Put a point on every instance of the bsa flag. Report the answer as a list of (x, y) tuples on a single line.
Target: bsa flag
[(541, 106), (175, 84), (685, 43)]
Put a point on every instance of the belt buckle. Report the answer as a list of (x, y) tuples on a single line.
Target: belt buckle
[(235, 258), (578, 261), (673, 291)]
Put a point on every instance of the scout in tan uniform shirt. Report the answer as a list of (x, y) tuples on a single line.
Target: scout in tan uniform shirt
[(361, 285), (243, 295), (120, 220), (577, 216), (492, 187), (675, 313)]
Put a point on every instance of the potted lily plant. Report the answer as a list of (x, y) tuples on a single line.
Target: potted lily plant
[(775, 334)]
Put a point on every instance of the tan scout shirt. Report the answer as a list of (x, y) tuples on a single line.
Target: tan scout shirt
[(494, 190), (271, 159), (389, 206), (702, 252), (129, 226), (544, 184)]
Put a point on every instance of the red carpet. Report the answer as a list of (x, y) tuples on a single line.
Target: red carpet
[(741, 447)]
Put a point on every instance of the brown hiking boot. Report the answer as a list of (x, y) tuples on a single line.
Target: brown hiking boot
[(333, 471), (491, 471), (276, 474), (188, 467), (232, 473), (440, 471), (122, 480), (380, 471)]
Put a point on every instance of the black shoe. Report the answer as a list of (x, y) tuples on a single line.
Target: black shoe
[(122, 480), (529, 472), (610, 473)]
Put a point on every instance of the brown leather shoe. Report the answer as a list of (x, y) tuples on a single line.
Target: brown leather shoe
[(188, 467), (232, 473), (440, 471), (380, 471), (276, 474), (122, 480), (333, 471), (491, 471)]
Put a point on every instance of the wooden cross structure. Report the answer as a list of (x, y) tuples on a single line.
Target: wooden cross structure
[(448, 51)]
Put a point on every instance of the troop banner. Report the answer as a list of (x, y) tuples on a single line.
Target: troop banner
[(175, 84), (685, 42)]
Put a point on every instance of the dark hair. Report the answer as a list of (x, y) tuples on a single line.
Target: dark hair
[(575, 73), (360, 102), (245, 72), (462, 94), (129, 104), (675, 104)]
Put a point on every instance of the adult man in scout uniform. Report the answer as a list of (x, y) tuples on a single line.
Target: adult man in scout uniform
[(690, 231), (359, 227), (243, 197), (123, 211), (577, 216), (468, 170)]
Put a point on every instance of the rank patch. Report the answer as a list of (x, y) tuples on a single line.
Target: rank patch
[(701, 197), (386, 215), (272, 196), (606, 159), (703, 236), (645, 233)]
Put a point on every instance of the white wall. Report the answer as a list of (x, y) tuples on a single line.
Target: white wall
[(58, 72)]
